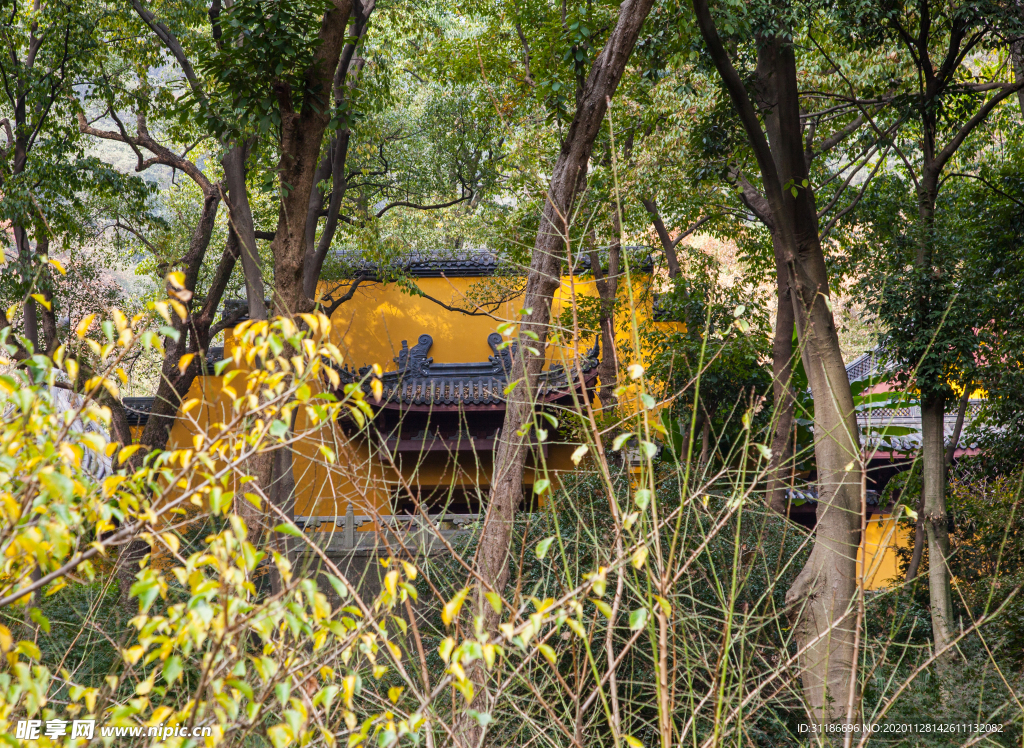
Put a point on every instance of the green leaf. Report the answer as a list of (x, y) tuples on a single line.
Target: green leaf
[(541, 486), (288, 529), (638, 619), (542, 546), (642, 498), (172, 670), (338, 585), (620, 440), (42, 621)]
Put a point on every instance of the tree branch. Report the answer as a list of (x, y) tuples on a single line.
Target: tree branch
[(417, 206)]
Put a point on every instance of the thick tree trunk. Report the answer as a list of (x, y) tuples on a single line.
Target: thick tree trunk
[(333, 163), (568, 176), (935, 520), (302, 135), (823, 592)]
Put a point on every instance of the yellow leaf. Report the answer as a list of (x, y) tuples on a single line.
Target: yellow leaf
[(185, 360), (161, 306), (57, 264), (71, 367), (42, 301), (84, 325), (548, 652), (172, 541), (6, 640), (635, 371), (395, 692), (147, 685), (179, 309), (110, 484), (639, 557), (453, 606), (176, 279), (632, 742), (127, 452), (190, 403), (120, 321), (579, 453)]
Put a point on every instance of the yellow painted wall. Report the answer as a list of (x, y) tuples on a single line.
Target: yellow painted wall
[(881, 538), (370, 329)]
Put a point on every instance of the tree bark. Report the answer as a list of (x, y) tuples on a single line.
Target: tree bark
[(607, 290), (302, 134), (568, 176), (669, 246), (334, 161), (172, 385), (240, 213), (822, 594), (782, 394), (935, 520)]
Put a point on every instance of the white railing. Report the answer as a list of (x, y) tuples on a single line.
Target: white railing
[(349, 522)]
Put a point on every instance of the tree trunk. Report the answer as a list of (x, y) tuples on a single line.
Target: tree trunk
[(172, 385), (567, 178), (822, 594), (782, 393), (302, 135), (333, 163), (935, 520), (667, 244), (1017, 59), (918, 552), (240, 213), (607, 289)]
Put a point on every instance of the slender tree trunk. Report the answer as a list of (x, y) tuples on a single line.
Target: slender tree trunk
[(170, 388), (667, 244), (823, 592), (29, 317), (568, 177), (918, 552), (240, 215), (782, 392), (607, 289), (936, 522), (919, 532)]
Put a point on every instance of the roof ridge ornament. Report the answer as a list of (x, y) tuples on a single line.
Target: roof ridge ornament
[(415, 360), (501, 361)]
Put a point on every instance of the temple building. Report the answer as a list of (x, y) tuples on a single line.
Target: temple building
[(441, 332), (445, 363)]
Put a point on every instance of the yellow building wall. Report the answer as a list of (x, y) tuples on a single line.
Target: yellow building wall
[(882, 537), (370, 329)]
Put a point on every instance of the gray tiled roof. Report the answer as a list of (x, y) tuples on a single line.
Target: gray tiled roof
[(418, 381)]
